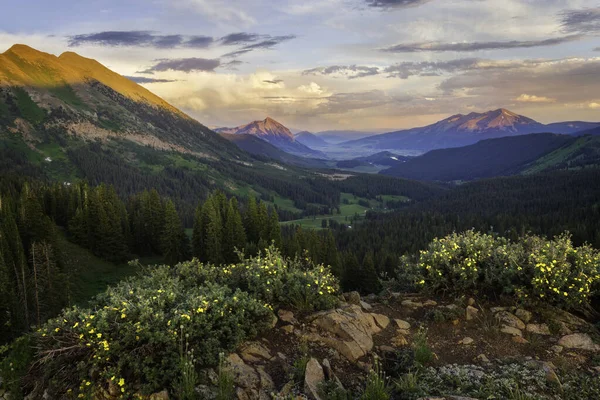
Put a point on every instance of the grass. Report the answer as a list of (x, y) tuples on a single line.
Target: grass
[(27, 107), (347, 211), (66, 94), (92, 275)]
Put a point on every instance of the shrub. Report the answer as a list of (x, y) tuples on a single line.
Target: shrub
[(534, 268), (422, 352), (281, 282), (138, 336)]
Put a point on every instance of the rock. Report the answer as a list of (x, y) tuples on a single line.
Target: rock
[(510, 320), (498, 309), (288, 328), (387, 349), (402, 324), (520, 340), (399, 341), (352, 330), (596, 370), (313, 377), (206, 392), (381, 320), (430, 303), (523, 315), (581, 341), (471, 302), (483, 358), (366, 306), (411, 304), (164, 395), (509, 330), (244, 375), (548, 368), (466, 341), (557, 349), (287, 316), (254, 352), (266, 382), (113, 389), (352, 298), (471, 313), (571, 321), (538, 329), (327, 370)]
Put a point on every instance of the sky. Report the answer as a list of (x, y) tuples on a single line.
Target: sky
[(371, 65)]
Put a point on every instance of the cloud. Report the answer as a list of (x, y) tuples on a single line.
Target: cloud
[(581, 21), (231, 65), (594, 105), (184, 65), (569, 81), (139, 39), (268, 43), (273, 81), (340, 103), (391, 4), (351, 72), (527, 98), (143, 79), (477, 46), (597, 49), (240, 38)]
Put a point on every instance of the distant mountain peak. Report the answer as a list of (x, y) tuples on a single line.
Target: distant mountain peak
[(267, 128)]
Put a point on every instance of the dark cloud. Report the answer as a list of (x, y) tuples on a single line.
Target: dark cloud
[(274, 81), (581, 21), (268, 43), (139, 39), (143, 79), (477, 46), (351, 71), (231, 65), (391, 4), (199, 41), (240, 38), (342, 102), (597, 49), (184, 65)]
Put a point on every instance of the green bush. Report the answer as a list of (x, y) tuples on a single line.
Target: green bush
[(141, 334), (278, 281), (533, 268)]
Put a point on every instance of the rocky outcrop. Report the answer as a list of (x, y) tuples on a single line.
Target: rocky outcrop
[(349, 330), (313, 376), (580, 341)]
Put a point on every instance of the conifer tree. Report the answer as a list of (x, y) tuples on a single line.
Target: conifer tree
[(251, 221), (174, 240), (234, 235), (274, 229), (198, 233), (370, 281)]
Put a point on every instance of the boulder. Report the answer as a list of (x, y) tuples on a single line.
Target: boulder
[(510, 320), (520, 340), (509, 330), (366, 306), (164, 395), (254, 352), (402, 324), (399, 341), (352, 298), (430, 303), (557, 349), (523, 315), (351, 328), (581, 341), (466, 341), (313, 376), (381, 320), (483, 358), (287, 316), (411, 304), (244, 375), (471, 313), (538, 329)]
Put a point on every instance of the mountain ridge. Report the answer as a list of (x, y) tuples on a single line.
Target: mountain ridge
[(274, 133), (462, 130)]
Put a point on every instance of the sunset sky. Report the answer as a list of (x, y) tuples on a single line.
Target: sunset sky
[(371, 65)]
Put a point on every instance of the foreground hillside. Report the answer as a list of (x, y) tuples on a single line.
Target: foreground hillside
[(460, 318)]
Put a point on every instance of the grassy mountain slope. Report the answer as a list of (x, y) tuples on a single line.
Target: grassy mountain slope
[(258, 147), (581, 153), (488, 158)]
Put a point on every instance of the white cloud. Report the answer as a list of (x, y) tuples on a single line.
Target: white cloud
[(531, 98)]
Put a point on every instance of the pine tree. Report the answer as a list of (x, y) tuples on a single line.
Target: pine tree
[(234, 235), (198, 232), (369, 282), (274, 229), (174, 240), (251, 222)]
